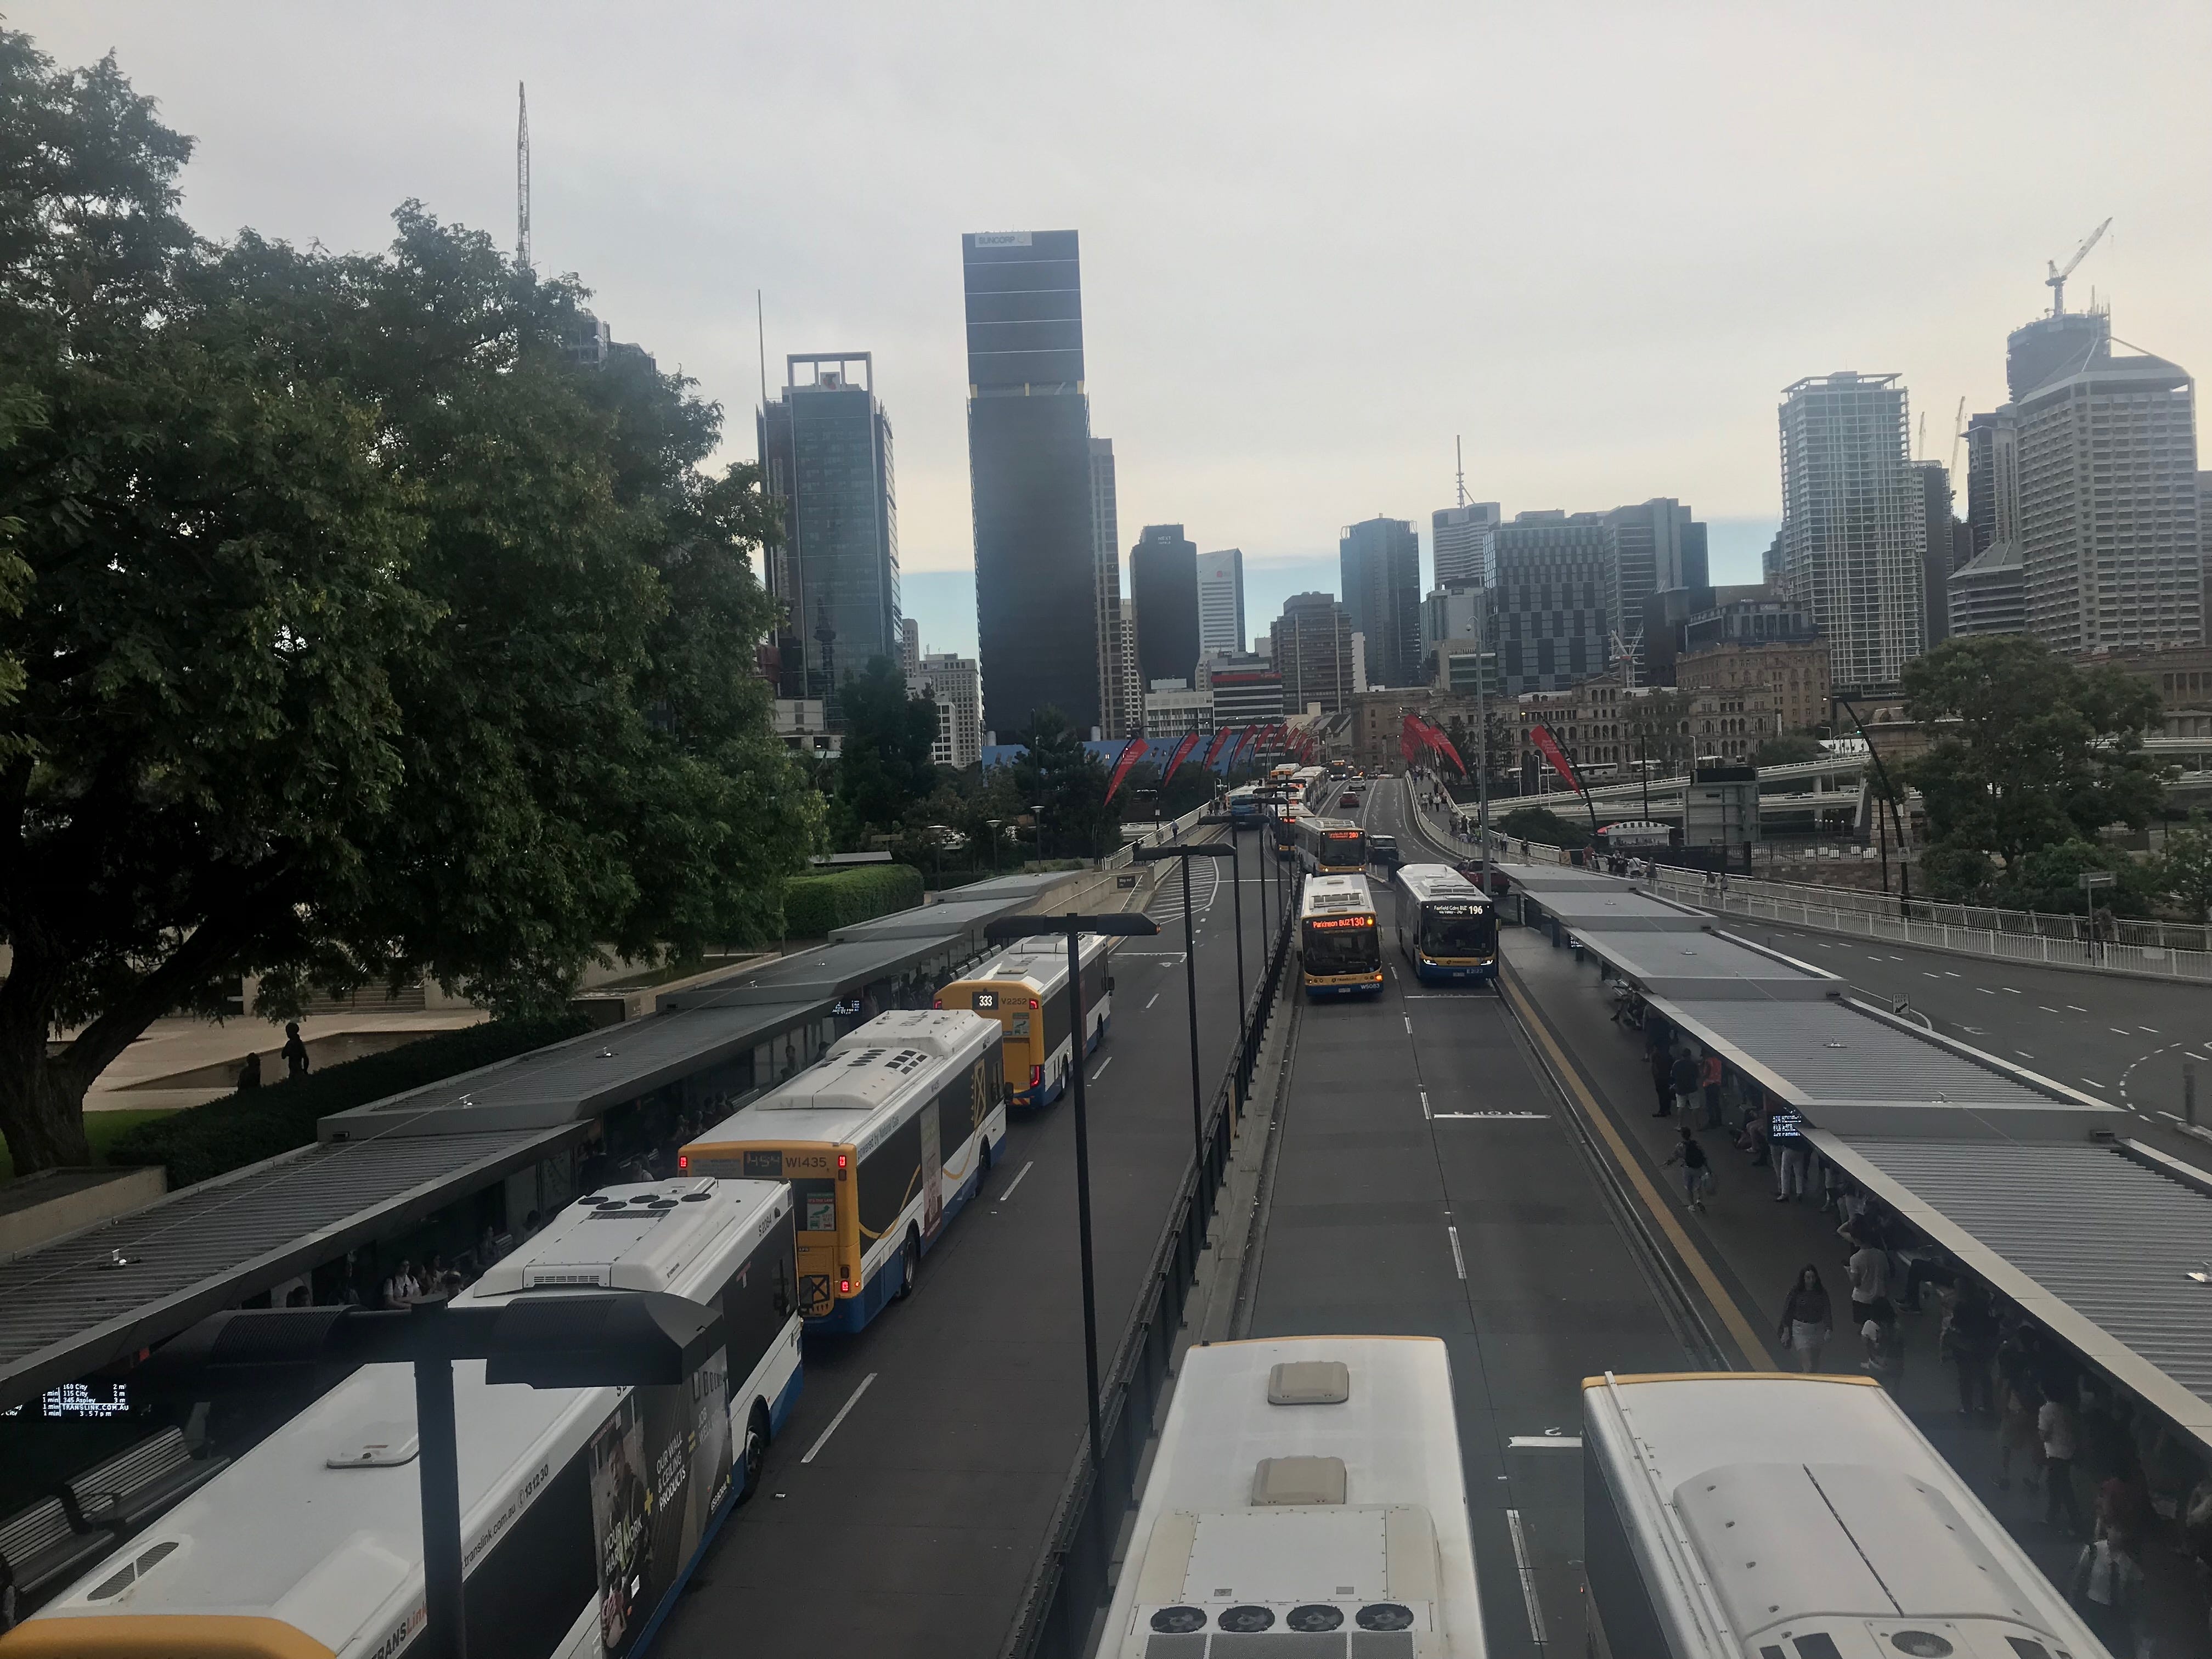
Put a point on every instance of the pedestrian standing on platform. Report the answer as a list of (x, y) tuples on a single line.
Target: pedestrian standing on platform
[(1883, 1339), (1805, 1317), (1970, 1332), (2054, 1423), (2108, 1591), (296, 1052), (1696, 1169), (1869, 1275), (1785, 1138), (1709, 1079), (1684, 1079), (1662, 1077)]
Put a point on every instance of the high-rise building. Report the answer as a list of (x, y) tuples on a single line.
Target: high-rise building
[(1462, 542), (1454, 615), (2109, 538), (1937, 546), (1854, 524), (1555, 608), (955, 683), (1221, 601), (909, 645), (1163, 582), (1030, 478), (1310, 645), (1381, 563), (1661, 547), (1246, 688), (1121, 717), (826, 447), (1993, 477), (1988, 594)]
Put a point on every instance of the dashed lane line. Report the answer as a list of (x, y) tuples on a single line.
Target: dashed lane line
[(1459, 1261), (814, 1450), (1015, 1182)]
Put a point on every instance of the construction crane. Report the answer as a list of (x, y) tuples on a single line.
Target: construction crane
[(1920, 444), (1958, 438), (2056, 280)]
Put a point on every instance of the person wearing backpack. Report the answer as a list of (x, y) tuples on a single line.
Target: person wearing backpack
[(1697, 1168)]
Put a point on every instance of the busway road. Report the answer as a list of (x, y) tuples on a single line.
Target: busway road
[(1427, 1182), (904, 1505)]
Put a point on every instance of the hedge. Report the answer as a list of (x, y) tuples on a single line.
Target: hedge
[(241, 1128), (812, 905)]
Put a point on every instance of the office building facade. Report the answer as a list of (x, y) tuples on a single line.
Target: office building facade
[(1310, 645), (1938, 547), (826, 445), (1555, 610), (1221, 601), (1793, 676), (1380, 561), (1660, 546), (1030, 479), (1993, 477), (1463, 542), (955, 683), (1988, 594), (1854, 524), (1163, 582), (1246, 688), (1123, 712)]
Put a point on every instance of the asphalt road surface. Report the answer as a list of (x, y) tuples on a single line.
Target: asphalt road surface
[(904, 1504)]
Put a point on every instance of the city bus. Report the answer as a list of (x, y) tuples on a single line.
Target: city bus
[(883, 1140), (1445, 926), (1287, 819), (583, 1510), (1308, 782), (1309, 1487), (1243, 808), (1340, 952), (1745, 1512), (1282, 771), (1332, 847), (1024, 990)]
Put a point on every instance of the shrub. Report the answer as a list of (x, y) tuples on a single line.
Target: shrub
[(241, 1128), (812, 905), (1541, 823)]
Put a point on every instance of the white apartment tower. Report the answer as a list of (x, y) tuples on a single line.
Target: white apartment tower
[(1854, 522), (957, 685), (1221, 603), (1464, 540)]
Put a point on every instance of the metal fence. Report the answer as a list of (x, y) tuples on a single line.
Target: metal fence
[(1072, 1579)]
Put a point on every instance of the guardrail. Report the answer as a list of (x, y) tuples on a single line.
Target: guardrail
[(1071, 1580), (1172, 830)]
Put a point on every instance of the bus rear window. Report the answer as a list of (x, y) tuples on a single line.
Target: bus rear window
[(816, 1205)]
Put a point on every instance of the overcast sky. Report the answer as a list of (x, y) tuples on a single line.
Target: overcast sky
[(1318, 241)]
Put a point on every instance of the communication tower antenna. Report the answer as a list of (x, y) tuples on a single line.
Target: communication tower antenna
[(521, 176), (1459, 453)]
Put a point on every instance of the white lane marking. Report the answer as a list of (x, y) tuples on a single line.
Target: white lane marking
[(1543, 1442), (813, 1451), (2046, 1007), (2023, 1054), (1155, 996), (2163, 1113), (2093, 1083), (1408, 1018), (1925, 974), (1103, 1065), (1458, 1260), (2007, 990), (1527, 1578), (2152, 1030), (1463, 1117), (2119, 1030), (1985, 990), (1015, 1182), (1424, 1102), (2193, 1055), (1873, 958), (1897, 958), (1948, 974), (2077, 1007)]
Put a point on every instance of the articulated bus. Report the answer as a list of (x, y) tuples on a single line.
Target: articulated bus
[(583, 1510), (1445, 927), (1340, 951), (1332, 847), (883, 1140), (1024, 990), (1308, 1487), (1794, 1517)]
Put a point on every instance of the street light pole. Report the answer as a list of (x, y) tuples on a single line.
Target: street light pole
[(1243, 1006), (1121, 924), (1186, 852)]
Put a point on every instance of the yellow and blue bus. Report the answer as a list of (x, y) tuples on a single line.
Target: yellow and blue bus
[(883, 1140), (1445, 926), (1024, 990), (1332, 847), (1339, 948)]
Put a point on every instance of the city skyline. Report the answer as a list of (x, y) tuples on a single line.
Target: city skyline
[(1758, 285)]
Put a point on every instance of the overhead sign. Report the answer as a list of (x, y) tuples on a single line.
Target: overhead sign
[(1002, 238)]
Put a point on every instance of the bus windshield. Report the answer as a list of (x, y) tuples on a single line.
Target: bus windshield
[(1458, 930), (1342, 945)]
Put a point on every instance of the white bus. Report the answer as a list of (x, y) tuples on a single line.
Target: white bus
[(1445, 926), (1024, 989), (1794, 1517), (1304, 1487), (883, 1140), (1340, 947), (583, 1511)]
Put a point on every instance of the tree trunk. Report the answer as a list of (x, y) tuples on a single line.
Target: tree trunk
[(41, 1100)]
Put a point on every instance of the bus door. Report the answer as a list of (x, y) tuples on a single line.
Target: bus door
[(932, 1172)]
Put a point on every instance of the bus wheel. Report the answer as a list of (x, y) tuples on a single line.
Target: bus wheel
[(909, 1264), (984, 1150), (756, 1450)]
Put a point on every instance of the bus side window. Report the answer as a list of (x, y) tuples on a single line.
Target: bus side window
[(756, 1302), (523, 1597)]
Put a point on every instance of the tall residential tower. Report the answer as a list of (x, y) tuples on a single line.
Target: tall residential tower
[(1221, 601), (1381, 565)]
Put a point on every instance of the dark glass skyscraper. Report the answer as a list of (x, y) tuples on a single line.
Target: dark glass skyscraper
[(1381, 562), (1030, 478), (1163, 584), (826, 444)]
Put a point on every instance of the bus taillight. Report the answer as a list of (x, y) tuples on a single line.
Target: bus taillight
[(1037, 1077), (937, 1002), (683, 1160)]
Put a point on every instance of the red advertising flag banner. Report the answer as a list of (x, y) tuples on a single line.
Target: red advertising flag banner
[(1444, 745), (1213, 750), (1548, 746), (1181, 753), (1131, 752), (1251, 739)]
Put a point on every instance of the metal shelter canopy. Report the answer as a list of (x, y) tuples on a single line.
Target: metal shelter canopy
[(581, 1078), (1707, 964), (2097, 1242), (68, 1308), (829, 973)]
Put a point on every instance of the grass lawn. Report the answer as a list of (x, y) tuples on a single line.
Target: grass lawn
[(101, 1128)]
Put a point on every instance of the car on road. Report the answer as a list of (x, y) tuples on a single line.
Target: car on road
[(1383, 850), (1349, 797)]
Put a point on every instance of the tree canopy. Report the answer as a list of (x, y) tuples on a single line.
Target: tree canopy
[(1068, 781), (2030, 753), (884, 766), (360, 635)]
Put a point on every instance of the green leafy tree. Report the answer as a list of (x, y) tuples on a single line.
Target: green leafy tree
[(2184, 868), (883, 768), (1790, 749), (2030, 753), (363, 636), (1541, 823), (1059, 774)]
